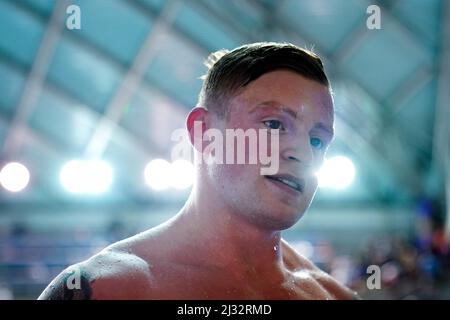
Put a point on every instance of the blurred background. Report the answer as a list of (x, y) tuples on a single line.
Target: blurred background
[(87, 105)]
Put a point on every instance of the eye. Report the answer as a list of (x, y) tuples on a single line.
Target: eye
[(316, 143), (274, 124)]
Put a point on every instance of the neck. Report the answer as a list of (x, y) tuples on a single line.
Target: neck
[(222, 238)]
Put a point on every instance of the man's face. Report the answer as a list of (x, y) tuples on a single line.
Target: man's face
[(302, 110)]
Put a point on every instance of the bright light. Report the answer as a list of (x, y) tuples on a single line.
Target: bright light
[(157, 174), (182, 174), (14, 177), (160, 174), (336, 173), (93, 176)]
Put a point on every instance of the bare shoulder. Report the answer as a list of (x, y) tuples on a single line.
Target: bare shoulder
[(297, 263), (100, 276), (73, 283)]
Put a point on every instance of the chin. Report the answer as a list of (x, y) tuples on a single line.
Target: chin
[(281, 218), (274, 224)]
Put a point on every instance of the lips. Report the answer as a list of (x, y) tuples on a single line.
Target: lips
[(290, 181)]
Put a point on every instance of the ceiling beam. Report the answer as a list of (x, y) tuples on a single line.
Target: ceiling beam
[(405, 90), (233, 25), (36, 138), (131, 81), (56, 149), (409, 88), (103, 55), (388, 14), (34, 83)]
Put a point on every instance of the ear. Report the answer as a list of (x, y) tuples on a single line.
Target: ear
[(196, 124)]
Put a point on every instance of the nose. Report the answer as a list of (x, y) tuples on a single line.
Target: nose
[(300, 151)]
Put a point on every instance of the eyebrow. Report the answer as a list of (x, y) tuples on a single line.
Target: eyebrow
[(324, 127), (276, 105), (293, 114)]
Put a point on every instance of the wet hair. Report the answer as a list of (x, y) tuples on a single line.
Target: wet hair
[(230, 71)]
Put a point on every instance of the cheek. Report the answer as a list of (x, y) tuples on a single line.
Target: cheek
[(234, 180), (318, 162), (236, 174), (312, 183), (268, 145)]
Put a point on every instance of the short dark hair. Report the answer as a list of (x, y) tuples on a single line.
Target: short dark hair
[(229, 71)]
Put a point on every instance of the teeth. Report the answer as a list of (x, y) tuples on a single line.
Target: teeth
[(290, 183)]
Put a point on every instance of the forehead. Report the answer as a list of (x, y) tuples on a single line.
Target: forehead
[(288, 89)]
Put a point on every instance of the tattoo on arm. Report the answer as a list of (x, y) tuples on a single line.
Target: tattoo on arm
[(72, 284)]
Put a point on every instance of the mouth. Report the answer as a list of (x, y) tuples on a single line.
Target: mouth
[(289, 181)]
